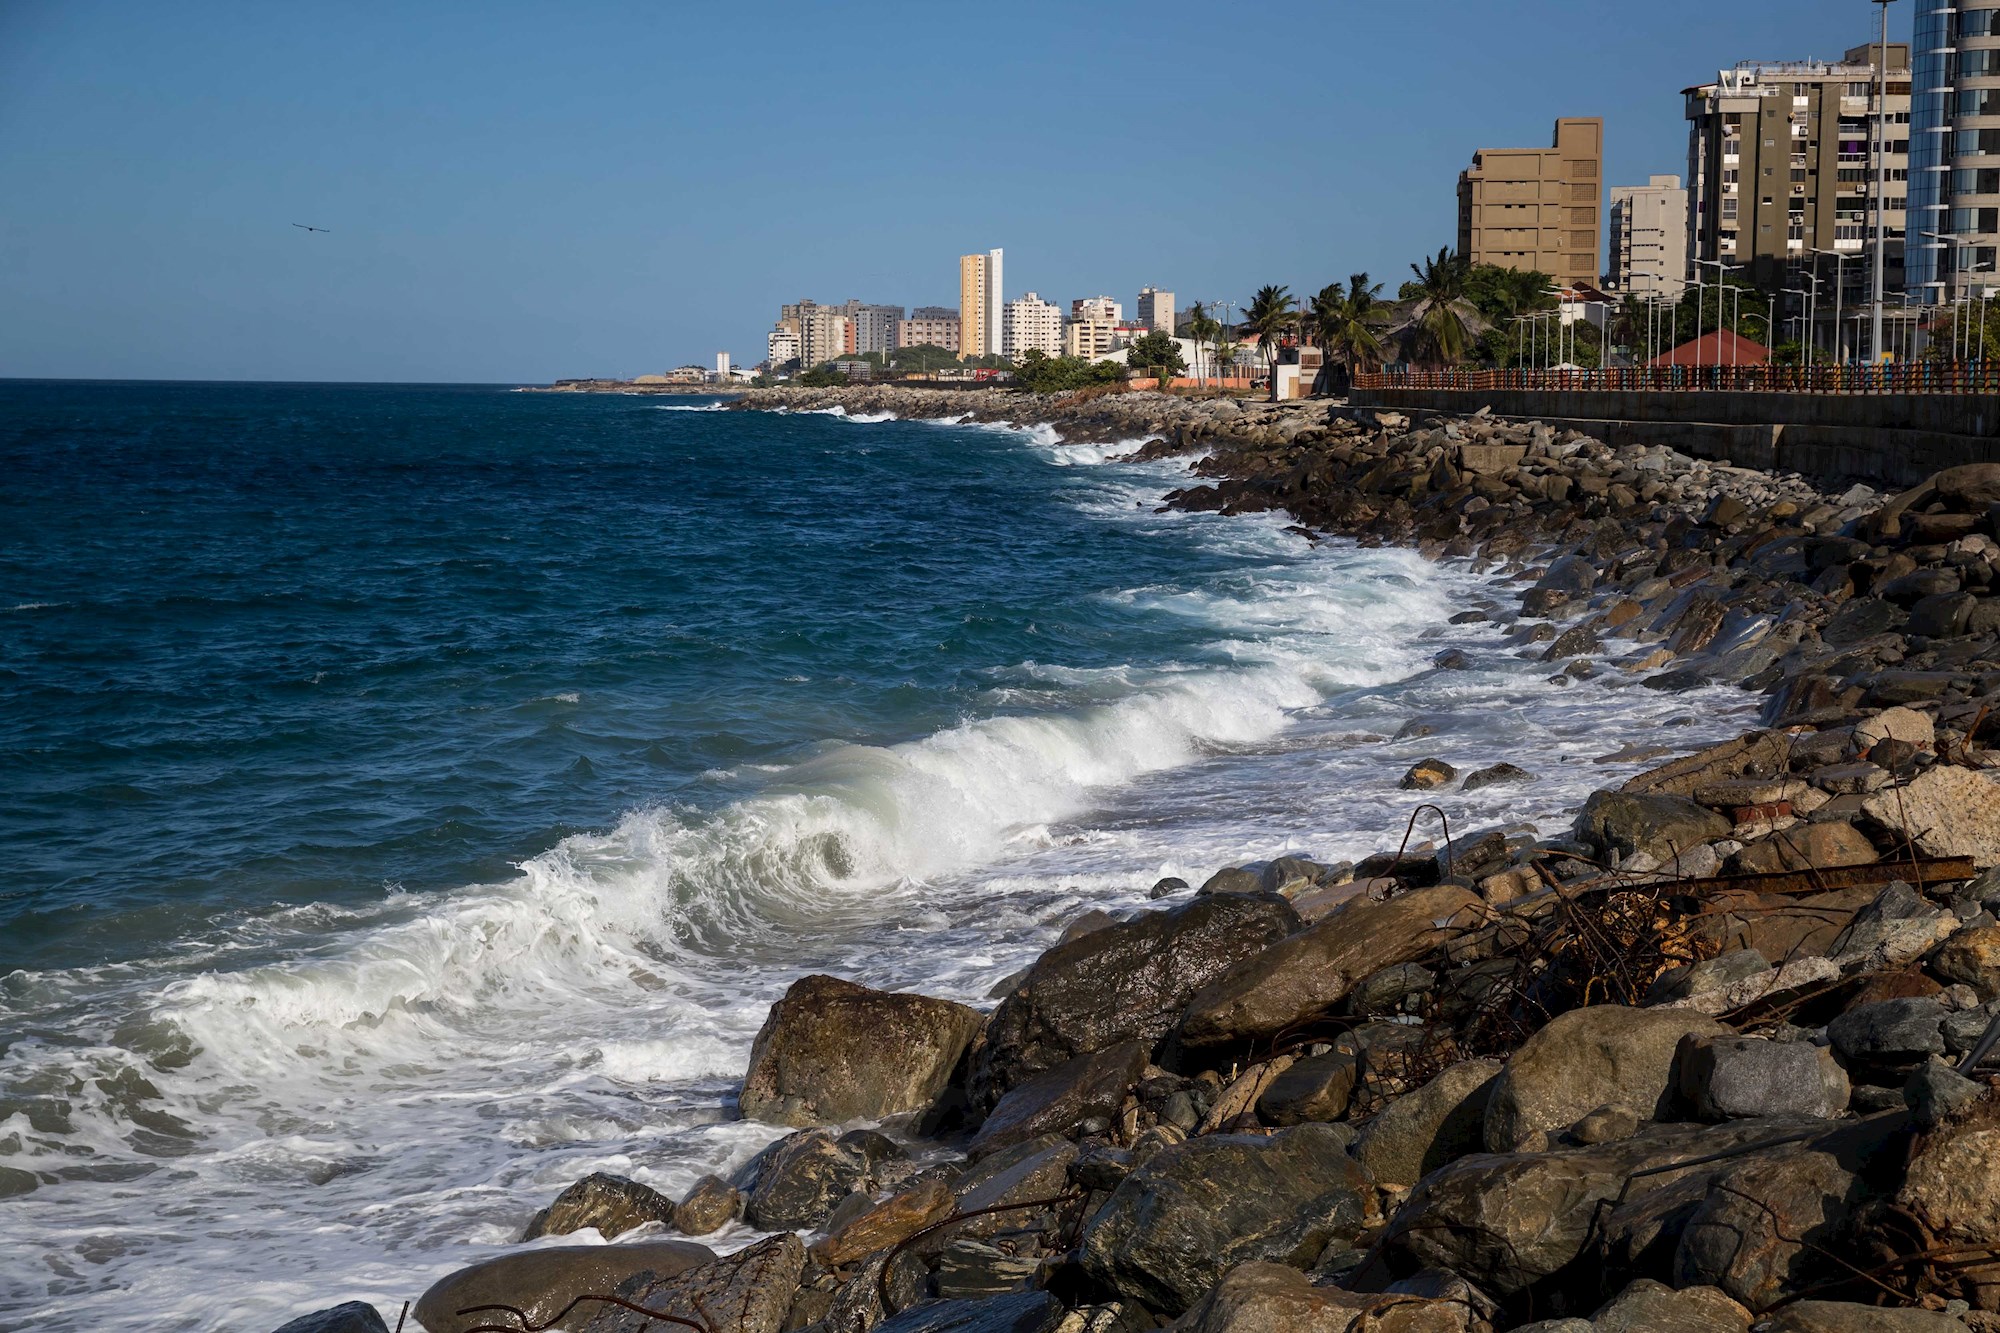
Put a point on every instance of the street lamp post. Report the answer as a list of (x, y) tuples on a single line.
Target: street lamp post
[(1805, 327), (1880, 121), (1720, 268), (1839, 287)]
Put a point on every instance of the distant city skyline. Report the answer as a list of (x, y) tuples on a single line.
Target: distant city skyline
[(625, 191)]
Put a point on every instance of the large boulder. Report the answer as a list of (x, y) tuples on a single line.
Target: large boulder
[(1058, 1100), (1647, 1306), (1606, 1055), (1733, 1078), (540, 1282), (1314, 1088), (1423, 1130), (611, 1204), (1507, 1222), (1197, 1209), (749, 1291), (833, 1051), (1953, 1187), (888, 1222), (1013, 1178), (1299, 978), (1765, 1228), (794, 1184), (1124, 983), (1658, 825), (1852, 1317), (1758, 755), (1271, 1298), (1015, 1312), (1944, 811), (347, 1317)]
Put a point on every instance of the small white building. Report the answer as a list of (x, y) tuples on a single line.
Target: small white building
[(781, 345)]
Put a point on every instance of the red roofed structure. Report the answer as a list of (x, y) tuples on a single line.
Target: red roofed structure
[(1719, 348)]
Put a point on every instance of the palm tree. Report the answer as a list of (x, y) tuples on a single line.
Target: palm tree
[(1201, 328), (1271, 314), (1442, 322), (1343, 322)]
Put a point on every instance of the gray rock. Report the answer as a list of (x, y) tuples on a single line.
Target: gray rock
[(1657, 824), (1058, 1100), (711, 1204), (1037, 1169), (794, 1184), (1507, 1221), (611, 1204), (1165, 888), (1607, 1055), (1848, 1317), (1889, 1031), (1314, 1088), (1710, 975), (833, 1051), (1233, 879), (540, 1282), (1493, 776), (974, 1270), (755, 1285), (1017, 1312), (1732, 1078), (1936, 1090), (1289, 874), (350, 1317), (1197, 1209), (1302, 976), (1272, 1298), (1763, 1231), (1385, 992), (1423, 1130), (1647, 1306), (1125, 983), (1427, 775)]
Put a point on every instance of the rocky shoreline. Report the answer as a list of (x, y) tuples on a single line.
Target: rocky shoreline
[(1709, 1059)]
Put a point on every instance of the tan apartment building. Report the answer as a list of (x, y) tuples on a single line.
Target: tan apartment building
[(980, 321), (1156, 309), (929, 330), (1537, 208), (823, 331), (1781, 165), (1091, 335), (1649, 238)]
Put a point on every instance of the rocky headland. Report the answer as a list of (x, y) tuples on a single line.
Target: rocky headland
[(1712, 1058)]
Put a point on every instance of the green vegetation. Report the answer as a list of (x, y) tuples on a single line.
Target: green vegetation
[(1041, 373), (1272, 313), (1344, 321), (1158, 354), (822, 377), (1442, 319)]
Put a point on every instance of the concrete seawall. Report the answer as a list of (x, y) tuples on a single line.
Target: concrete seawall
[(1891, 439)]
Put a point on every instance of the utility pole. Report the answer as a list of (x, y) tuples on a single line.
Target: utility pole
[(1881, 124)]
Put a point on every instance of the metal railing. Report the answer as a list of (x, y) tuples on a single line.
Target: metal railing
[(1910, 377)]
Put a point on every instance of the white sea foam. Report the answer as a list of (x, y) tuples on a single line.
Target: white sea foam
[(372, 1098), (690, 407)]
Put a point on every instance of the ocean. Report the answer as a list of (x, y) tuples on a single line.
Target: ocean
[(415, 796)]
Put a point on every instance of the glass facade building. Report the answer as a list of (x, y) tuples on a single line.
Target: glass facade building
[(1954, 149)]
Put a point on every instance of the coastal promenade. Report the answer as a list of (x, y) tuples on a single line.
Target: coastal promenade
[(1673, 1065)]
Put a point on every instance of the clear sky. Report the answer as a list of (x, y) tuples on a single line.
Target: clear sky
[(519, 192)]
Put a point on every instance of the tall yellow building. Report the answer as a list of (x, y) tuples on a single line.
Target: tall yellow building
[(980, 325)]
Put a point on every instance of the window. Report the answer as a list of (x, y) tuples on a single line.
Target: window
[(1975, 64), (1729, 208), (1976, 180), (1977, 23), (1977, 143)]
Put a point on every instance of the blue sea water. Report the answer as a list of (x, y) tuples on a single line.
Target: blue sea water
[(414, 796)]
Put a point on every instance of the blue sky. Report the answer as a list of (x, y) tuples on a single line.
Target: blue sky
[(520, 192)]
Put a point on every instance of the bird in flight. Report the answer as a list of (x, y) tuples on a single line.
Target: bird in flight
[(302, 226)]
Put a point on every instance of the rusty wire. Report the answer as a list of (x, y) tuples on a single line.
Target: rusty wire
[(889, 1259), (1411, 828)]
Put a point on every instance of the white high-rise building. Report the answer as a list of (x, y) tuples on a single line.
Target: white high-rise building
[(1649, 238), (981, 319), (1096, 307), (1031, 324), (1156, 309), (781, 345)]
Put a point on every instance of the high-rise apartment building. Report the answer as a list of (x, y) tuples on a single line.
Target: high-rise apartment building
[(935, 312), (981, 322), (823, 331), (1096, 307), (1649, 238), (1031, 324), (1780, 166), (874, 325), (1954, 149), (1537, 208), (928, 328), (1156, 309)]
